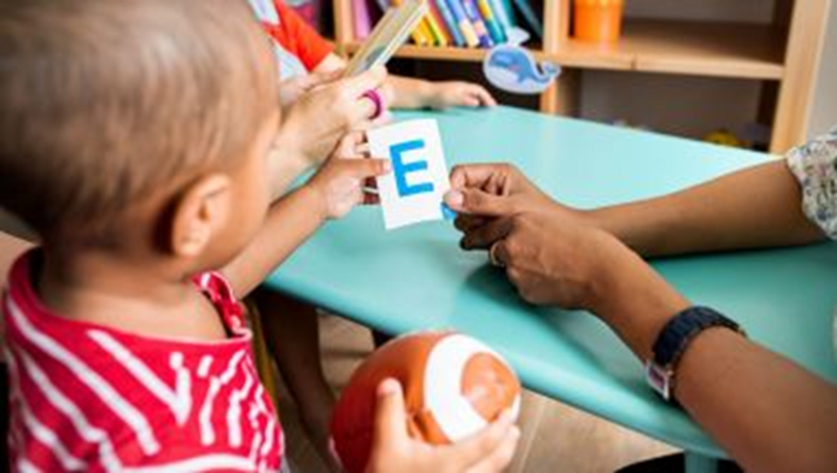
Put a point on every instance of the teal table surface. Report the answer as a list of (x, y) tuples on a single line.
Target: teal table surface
[(418, 278)]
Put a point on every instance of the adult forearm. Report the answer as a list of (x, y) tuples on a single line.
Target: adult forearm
[(290, 222), (769, 413), (752, 208)]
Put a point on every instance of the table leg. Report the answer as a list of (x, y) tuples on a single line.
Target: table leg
[(697, 463)]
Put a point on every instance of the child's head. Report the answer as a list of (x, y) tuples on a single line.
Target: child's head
[(130, 121)]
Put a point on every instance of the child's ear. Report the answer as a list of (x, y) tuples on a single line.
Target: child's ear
[(199, 213)]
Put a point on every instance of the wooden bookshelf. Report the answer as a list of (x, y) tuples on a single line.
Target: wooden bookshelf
[(678, 47), (784, 55), (412, 51)]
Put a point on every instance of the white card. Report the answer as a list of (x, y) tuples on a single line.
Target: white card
[(413, 192)]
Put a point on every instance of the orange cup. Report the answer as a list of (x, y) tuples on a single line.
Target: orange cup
[(598, 21)]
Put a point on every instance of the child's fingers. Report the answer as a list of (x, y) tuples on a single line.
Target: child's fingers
[(485, 98), (390, 414), (371, 79), (500, 458), (367, 167), (471, 451)]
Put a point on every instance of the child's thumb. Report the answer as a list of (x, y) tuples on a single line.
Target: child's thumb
[(390, 413)]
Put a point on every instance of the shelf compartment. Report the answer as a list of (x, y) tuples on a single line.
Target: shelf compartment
[(680, 47)]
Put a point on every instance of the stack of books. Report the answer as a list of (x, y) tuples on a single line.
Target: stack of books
[(455, 23)]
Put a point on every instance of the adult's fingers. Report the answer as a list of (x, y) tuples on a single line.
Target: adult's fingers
[(473, 450), (478, 202), (480, 176), (465, 223), (484, 236)]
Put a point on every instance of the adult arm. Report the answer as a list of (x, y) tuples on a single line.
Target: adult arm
[(753, 208), (769, 413)]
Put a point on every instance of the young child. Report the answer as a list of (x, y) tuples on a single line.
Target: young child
[(305, 59), (138, 140)]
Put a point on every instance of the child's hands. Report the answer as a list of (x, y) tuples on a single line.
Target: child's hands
[(340, 181), (459, 94), (291, 90), (317, 121), (490, 450)]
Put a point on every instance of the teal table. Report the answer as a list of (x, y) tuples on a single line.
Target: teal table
[(417, 278)]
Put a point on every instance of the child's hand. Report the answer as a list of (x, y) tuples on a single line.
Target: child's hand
[(490, 450), (317, 121), (291, 90), (459, 94), (340, 182)]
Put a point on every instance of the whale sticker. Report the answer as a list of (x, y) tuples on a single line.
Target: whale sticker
[(511, 67)]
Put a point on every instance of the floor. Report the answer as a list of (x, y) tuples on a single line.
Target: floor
[(555, 437)]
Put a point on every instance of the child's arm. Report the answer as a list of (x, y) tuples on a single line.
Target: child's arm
[(412, 93), (331, 193)]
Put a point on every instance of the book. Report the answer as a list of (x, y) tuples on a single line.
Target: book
[(529, 15), (495, 30), (465, 25), (421, 34), (389, 34), (473, 15), (447, 16), (434, 13), (436, 32), (362, 18), (503, 11)]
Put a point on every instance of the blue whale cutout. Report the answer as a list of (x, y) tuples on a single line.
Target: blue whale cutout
[(512, 68)]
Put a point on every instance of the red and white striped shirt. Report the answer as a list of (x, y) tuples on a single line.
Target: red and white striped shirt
[(85, 397)]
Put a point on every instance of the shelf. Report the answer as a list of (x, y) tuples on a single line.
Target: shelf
[(678, 47), (439, 53)]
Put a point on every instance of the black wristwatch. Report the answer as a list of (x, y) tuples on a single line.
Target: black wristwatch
[(673, 340)]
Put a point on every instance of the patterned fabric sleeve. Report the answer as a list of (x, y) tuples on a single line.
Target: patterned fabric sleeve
[(815, 166)]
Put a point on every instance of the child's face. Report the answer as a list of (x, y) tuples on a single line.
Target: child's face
[(250, 196)]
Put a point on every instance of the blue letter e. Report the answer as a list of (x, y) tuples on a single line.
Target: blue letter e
[(401, 169)]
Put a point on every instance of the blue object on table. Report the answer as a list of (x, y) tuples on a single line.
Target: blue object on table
[(418, 278)]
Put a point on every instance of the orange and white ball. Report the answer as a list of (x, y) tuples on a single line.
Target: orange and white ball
[(453, 387)]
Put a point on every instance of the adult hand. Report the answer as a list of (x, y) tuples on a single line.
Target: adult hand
[(394, 451), (321, 117), (472, 185)]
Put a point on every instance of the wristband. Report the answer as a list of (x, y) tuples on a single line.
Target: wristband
[(673, 340)]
